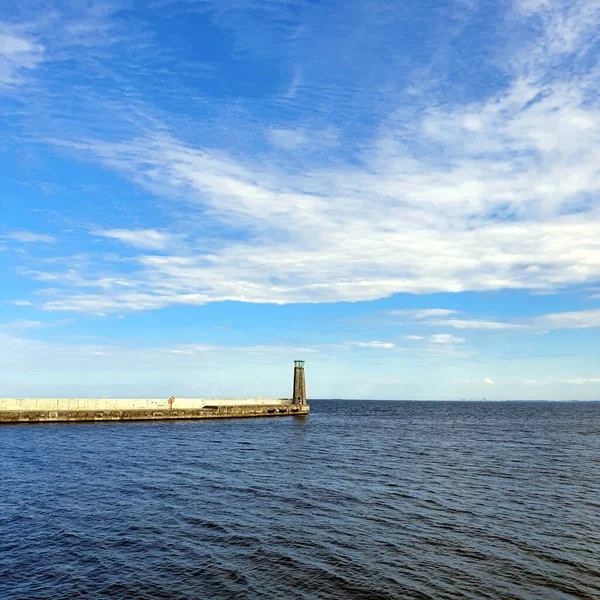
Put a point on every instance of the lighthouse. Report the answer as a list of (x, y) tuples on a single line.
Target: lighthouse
[(299, 396)]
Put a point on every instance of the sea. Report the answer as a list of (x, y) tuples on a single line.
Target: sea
[(360, 500)]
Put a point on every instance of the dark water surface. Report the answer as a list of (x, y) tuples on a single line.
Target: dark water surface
[(364, 500)]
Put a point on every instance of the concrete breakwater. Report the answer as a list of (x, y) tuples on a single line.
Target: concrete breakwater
[(95, 404), (155, 414), (36, 410)]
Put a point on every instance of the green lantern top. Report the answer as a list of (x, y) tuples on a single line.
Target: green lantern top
[(299, 363)]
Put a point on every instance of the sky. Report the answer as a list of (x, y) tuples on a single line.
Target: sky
[(405, 194)]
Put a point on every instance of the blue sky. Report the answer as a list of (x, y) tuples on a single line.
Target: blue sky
[(405, 194)]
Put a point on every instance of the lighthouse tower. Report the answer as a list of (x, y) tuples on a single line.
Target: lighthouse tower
[(299, 396)]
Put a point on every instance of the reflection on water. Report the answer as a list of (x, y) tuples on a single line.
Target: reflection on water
[(363, 500)]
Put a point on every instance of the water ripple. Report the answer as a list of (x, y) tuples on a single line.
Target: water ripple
[(361, 500)]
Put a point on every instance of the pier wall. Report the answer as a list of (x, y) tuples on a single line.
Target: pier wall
[(208, 412), (93, 404)]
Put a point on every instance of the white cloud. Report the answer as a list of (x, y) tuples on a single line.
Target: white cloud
[(543, 382), (475, 324), (443, 197), (23, 324), (147, 239), (70, 34), (295, 84), (331, 245), (435, 315), (375, 344), (18, 53), (287, 138), (583, 380), (424, 313), (583, 319), (484, 381), (433, 312), (27, 237), (22, 303), (566, 26), (413, 337), (102, 304), (445, 338)]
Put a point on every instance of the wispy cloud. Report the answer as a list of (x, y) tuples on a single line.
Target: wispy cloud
[(147, 239), (546, 382), (583, 319), (583, 380), (27, 237), (475, 324), (423, 313), (567, 28), (437, 339), (287, 138), (308, 140), (345, 250), (484, 381), (25, 326), (18, 54), (471, 194), (295, 84), (22, 324), (375, 344), (445, 338)]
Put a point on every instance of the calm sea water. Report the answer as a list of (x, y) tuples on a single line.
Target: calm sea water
[(362, 500)]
